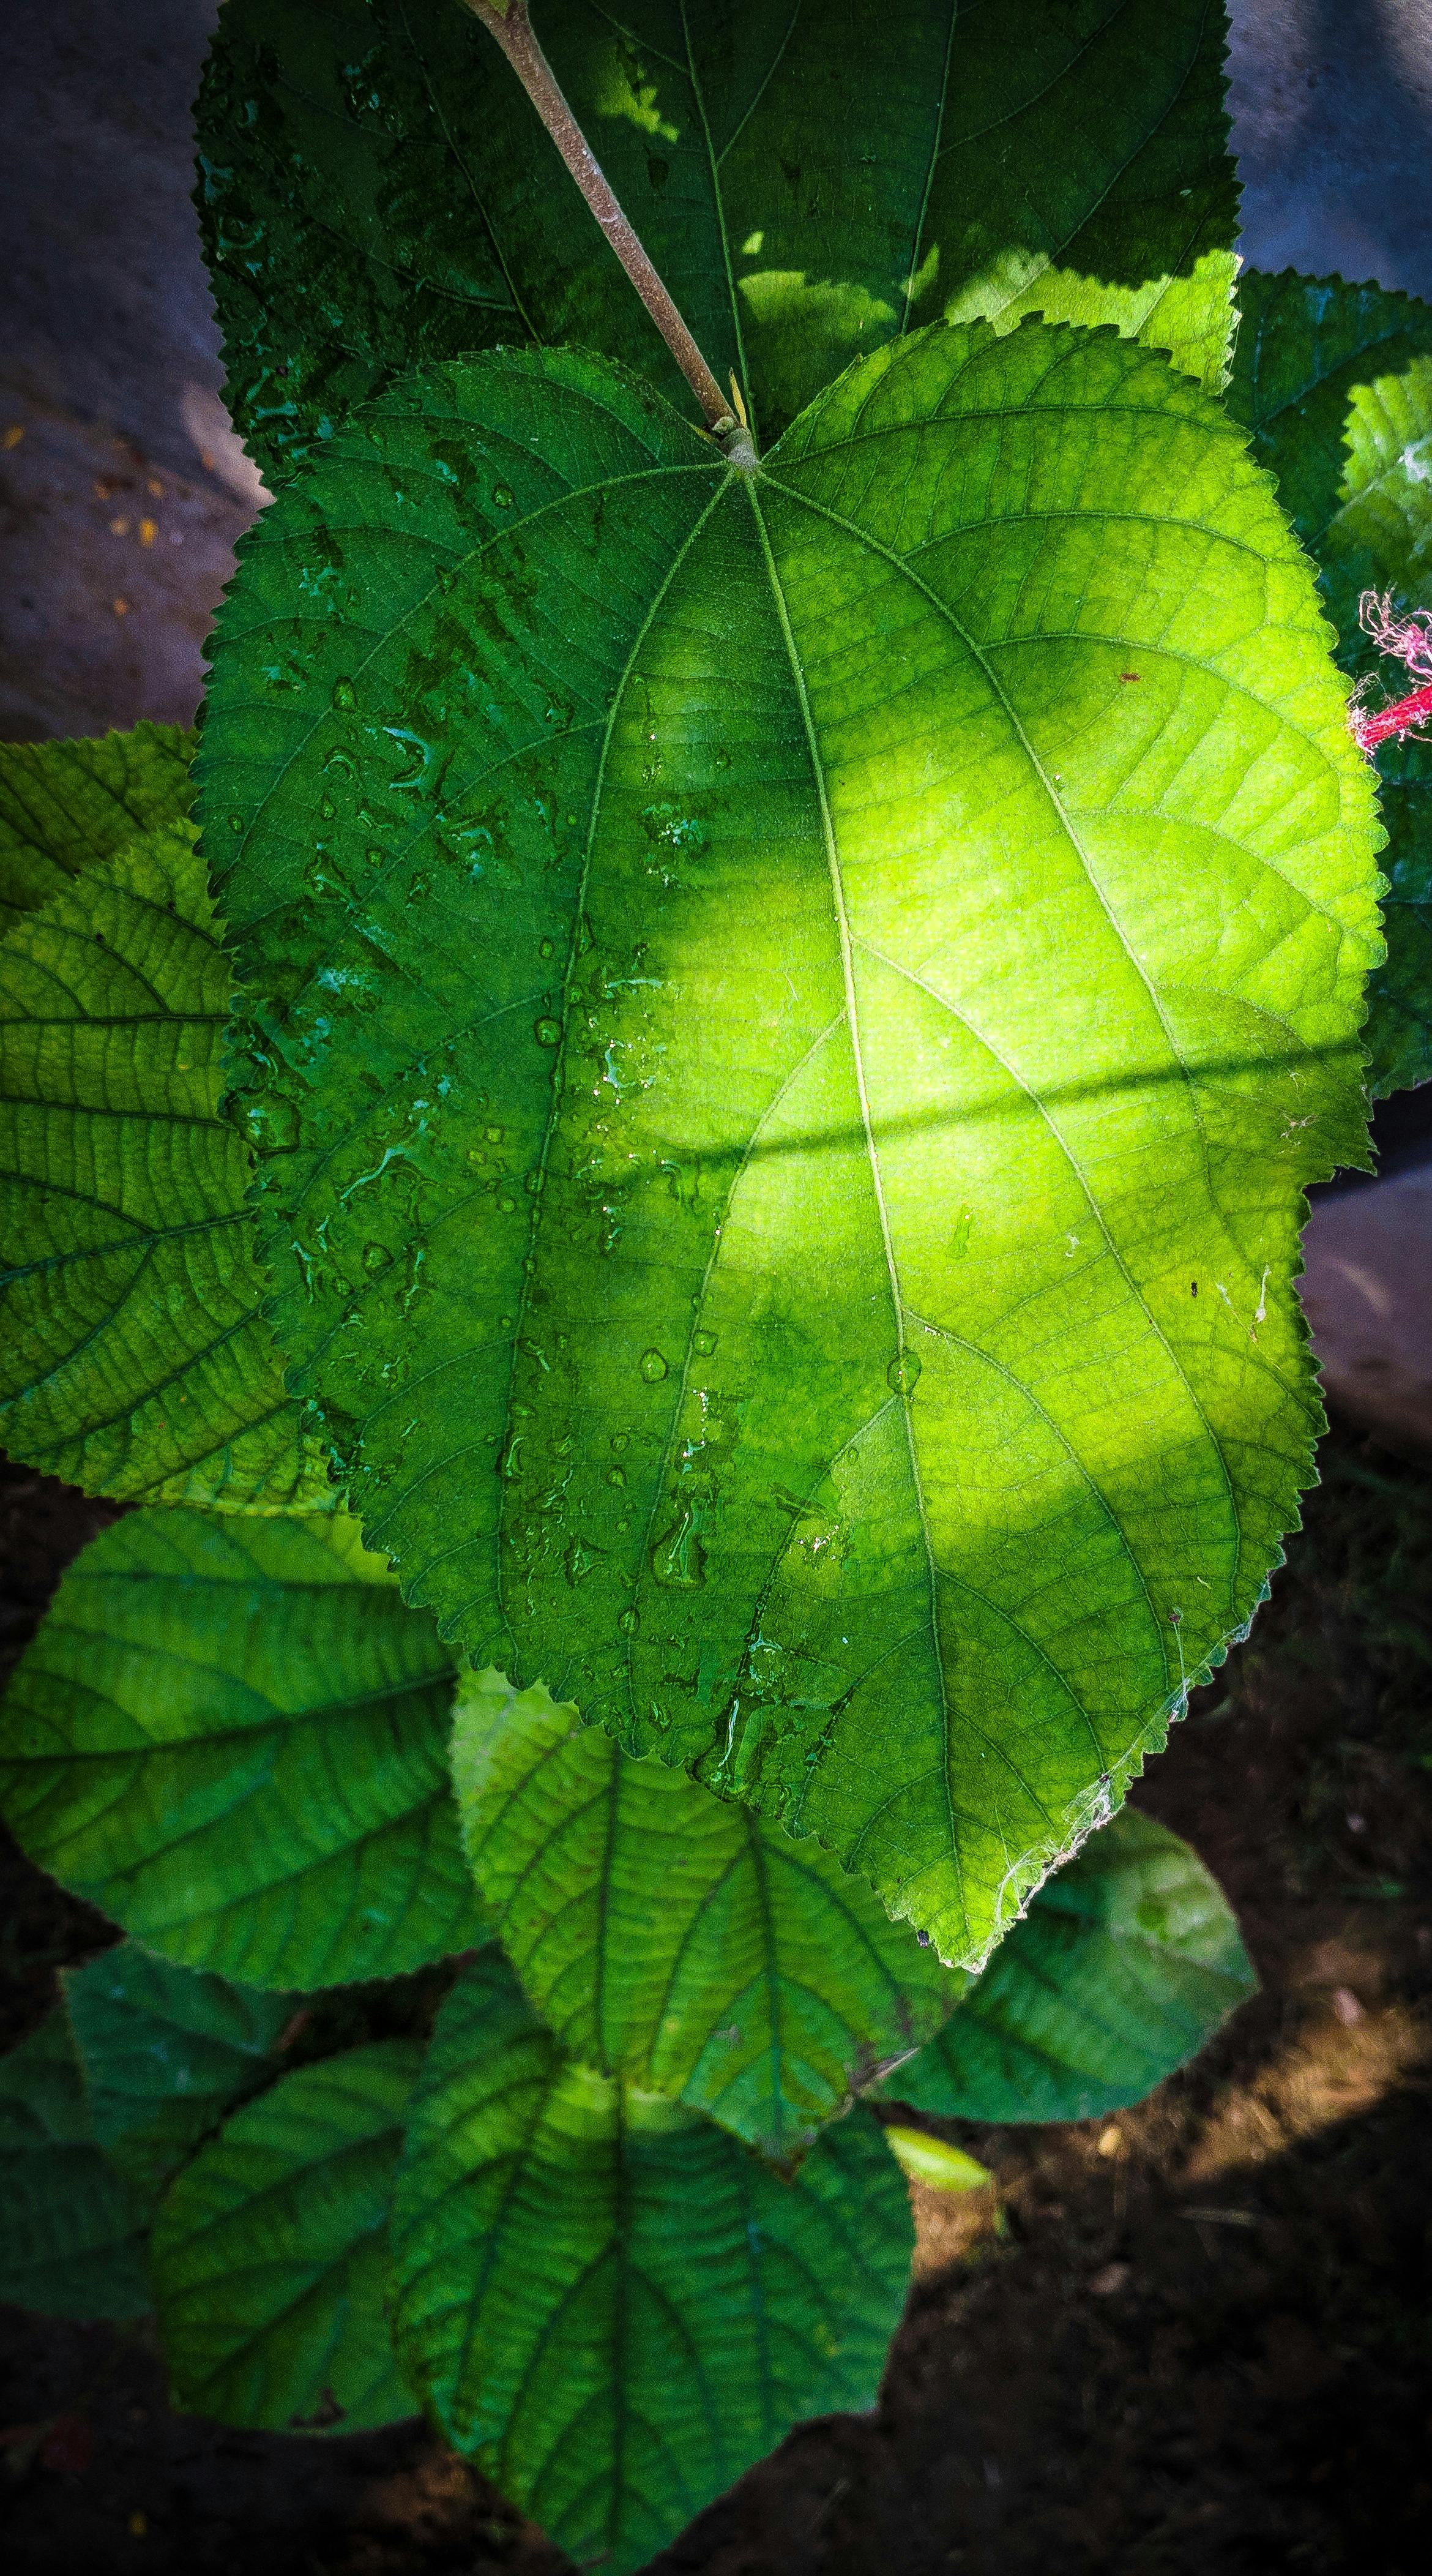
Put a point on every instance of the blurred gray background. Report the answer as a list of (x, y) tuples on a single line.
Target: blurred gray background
[(123, 488)]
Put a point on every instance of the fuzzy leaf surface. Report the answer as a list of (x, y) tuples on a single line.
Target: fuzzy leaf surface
[(63, 805), (136, 1360), (1335, 383), (271, 2253), (71, 2241), (376, 192), (1126, 1963), (804, 1004), (676, 1939), (610, 2302), (166, 2053), (231, 1735)]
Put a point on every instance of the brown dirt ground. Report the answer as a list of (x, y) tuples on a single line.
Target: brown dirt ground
[(1193, 2341)]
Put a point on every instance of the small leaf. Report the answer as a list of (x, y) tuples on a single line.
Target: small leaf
[(934, 2162), (608, 2301), (271, 2253), (1335, 383), (165, 2054), (232, 1736), (376, 192), (1124, 1966), (137, 1362), (674, 1939), (64, 805), (861, 1355), (70, 2227)]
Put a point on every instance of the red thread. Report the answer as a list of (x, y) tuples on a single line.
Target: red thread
[(1404, 639)]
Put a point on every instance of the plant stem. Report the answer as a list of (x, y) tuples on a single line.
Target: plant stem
[(513, 31)]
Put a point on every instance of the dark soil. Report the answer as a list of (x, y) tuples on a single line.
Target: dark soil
[(1192, 2341)]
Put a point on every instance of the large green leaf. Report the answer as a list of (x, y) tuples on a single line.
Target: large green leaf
[(1335, 383), (376, 191), (136, 1360), (71, 2240), (675, 1939), (805, 1002), (271, 2253), (232, 1736), (65, 804), (1125, 1964), (609, 2301), (165, 2054)]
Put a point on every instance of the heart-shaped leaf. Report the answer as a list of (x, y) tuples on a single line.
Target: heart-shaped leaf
[(806, 1000), (1335, 383), (165, 2054), (136, 1360), (376, 191), (71, 2240), (1125, 1964), (675, 1939), (615, 2306), (65, 804), (232, 1736), (271, 2253)]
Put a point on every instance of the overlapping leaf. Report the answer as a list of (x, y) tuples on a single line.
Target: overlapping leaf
[(63, 805), (136, 1360), (165, 2054), (271, 2253), (1335, 383), (806, 1002), (71, 2228), (611, 2303), (232, 1736), (1125, 1964), (376, 192), (674, 1939)]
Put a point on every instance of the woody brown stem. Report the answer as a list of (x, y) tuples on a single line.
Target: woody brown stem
[(512, 29)]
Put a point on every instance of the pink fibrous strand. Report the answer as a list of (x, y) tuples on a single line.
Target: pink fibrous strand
[(1407, 640)]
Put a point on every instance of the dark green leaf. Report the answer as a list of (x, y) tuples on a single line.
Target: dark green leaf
[(1124, 1966), (70, 2228), (804, 1043), (609, 2301), (674, 1939), (65, 804), (136, 1360), (271, 2253), (232, 1736), (1335, 382), (165, 2054), (376, 191)]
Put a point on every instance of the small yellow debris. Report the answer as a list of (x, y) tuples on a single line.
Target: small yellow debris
[(119, 527), (931, 2161), (148, 531), (156, 487), (138, 2526), (13, 435), (1111, 2141), (121, 607)]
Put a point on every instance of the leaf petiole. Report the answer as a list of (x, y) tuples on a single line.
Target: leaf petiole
[(508, 23)]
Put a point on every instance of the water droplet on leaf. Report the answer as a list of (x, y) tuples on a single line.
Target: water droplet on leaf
[(903, 1373), (345, 696), (703, 1344), (653, 1367), (547, 1033)]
